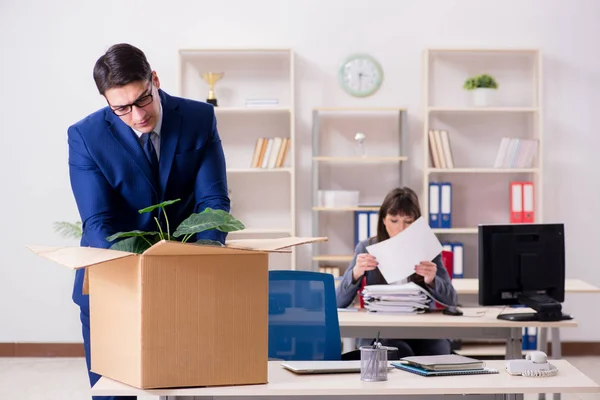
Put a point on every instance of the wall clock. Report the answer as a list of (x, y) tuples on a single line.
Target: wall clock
[(360, 75)]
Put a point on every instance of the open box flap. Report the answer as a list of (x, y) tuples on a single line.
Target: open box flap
[(78, 257), (174, 248), (273, 245)]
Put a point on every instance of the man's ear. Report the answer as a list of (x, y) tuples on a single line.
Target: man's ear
[(155, 80)]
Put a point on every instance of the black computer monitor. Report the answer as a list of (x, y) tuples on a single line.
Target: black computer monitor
[(523, 264)]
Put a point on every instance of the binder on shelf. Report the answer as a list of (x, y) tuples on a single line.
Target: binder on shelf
[(448, 258), (528, 203), (458, 260), (361, 226), (445, 205), (524, 339), (516, 202), (532, 338), (434, 205), (373, 218), (454, 263), (522, 205)]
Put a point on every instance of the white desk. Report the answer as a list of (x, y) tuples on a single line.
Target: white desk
[(471, 286), (476, 323), (284, 385)]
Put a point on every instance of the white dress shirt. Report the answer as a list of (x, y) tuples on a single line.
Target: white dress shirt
[(155, 135)]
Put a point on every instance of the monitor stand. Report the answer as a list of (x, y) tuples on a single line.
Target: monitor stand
[(547, 309)]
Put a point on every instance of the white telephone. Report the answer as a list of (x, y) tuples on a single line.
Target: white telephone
[(535, 364)]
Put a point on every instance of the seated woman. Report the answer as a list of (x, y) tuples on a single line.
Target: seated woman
[(400, 208)]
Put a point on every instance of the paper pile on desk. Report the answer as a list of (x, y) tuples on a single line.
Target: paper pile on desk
[(407, 298)]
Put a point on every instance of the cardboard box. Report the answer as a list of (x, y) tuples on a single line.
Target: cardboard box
[(179, 314)]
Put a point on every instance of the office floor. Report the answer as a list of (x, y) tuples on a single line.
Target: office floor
[(66, 379)]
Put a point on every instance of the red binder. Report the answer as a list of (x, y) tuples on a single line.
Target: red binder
[(528, 203), (448, 261), (516, 202)]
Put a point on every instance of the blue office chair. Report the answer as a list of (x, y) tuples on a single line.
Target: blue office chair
[(303, 319)]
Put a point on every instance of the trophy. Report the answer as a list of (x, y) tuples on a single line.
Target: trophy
[(361, 150), (211, 78)]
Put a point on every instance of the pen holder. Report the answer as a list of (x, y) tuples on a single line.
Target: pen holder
[(374, 362)]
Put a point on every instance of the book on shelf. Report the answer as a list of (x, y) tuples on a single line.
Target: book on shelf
[(439, 149), (270, 152), (516, 153), (335, 271), (257, 102)]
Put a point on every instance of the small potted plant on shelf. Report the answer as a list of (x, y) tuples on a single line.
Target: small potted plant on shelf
[(483, 87)]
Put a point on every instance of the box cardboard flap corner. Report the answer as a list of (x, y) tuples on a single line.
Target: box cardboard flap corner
[(180, 314)]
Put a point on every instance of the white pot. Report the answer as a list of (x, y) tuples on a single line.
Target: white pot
[(483, 97)]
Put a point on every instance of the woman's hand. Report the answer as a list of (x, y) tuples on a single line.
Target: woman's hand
[(427, 270), (364, 262)]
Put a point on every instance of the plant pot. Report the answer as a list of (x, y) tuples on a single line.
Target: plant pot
[(483, 97)]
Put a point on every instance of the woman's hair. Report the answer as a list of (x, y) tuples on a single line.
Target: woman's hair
[(400, 201), (120, 65)]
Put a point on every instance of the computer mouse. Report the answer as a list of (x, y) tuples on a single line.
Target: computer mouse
[(452, 311)]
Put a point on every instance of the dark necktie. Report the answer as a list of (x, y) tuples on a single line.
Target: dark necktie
[(150, 154)]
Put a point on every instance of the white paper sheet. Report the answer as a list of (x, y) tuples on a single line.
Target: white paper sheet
[(397, 256)]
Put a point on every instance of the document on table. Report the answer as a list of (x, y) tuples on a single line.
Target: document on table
[(397, 256)]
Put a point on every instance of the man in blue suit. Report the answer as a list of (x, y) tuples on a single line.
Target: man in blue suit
[(145, 147)]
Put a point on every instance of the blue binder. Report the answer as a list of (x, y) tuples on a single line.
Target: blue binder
[(361, 226), (458, 257), (434, 204), (445, 205)]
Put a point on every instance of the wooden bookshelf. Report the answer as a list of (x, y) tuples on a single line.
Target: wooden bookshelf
[(263, 199), (339, 163), (473, 134)]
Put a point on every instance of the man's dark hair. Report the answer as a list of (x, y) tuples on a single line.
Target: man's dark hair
[(120, 65)]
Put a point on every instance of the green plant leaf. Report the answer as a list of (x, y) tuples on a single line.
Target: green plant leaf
[(480, 81), (154, 207), (231, 223), (198, 223), (135, 244), (68, 229), (119, 235), (209, 242)]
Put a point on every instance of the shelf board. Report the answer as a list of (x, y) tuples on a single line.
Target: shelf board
[(257, 170), (455, 230), (482, 109), (254, 109), (360, 160), (482, 170), (335, 209), (257, 51), (479, 350), (480, 50), (359, 109), (254, 231), (333, 258)]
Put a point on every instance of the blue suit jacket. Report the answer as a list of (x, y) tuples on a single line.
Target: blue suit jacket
[(111, 178)]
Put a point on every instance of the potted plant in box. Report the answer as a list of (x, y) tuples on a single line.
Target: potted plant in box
[(138, 241), (483, 87)]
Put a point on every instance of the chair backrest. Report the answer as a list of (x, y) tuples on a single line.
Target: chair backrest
[(303, 319)]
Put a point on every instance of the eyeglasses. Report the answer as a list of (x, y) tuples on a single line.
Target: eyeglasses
[(139, 103)]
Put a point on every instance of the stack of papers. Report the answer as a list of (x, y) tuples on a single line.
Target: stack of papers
[(407, 298)]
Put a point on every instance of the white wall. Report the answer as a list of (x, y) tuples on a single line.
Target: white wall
[(49, 48)]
